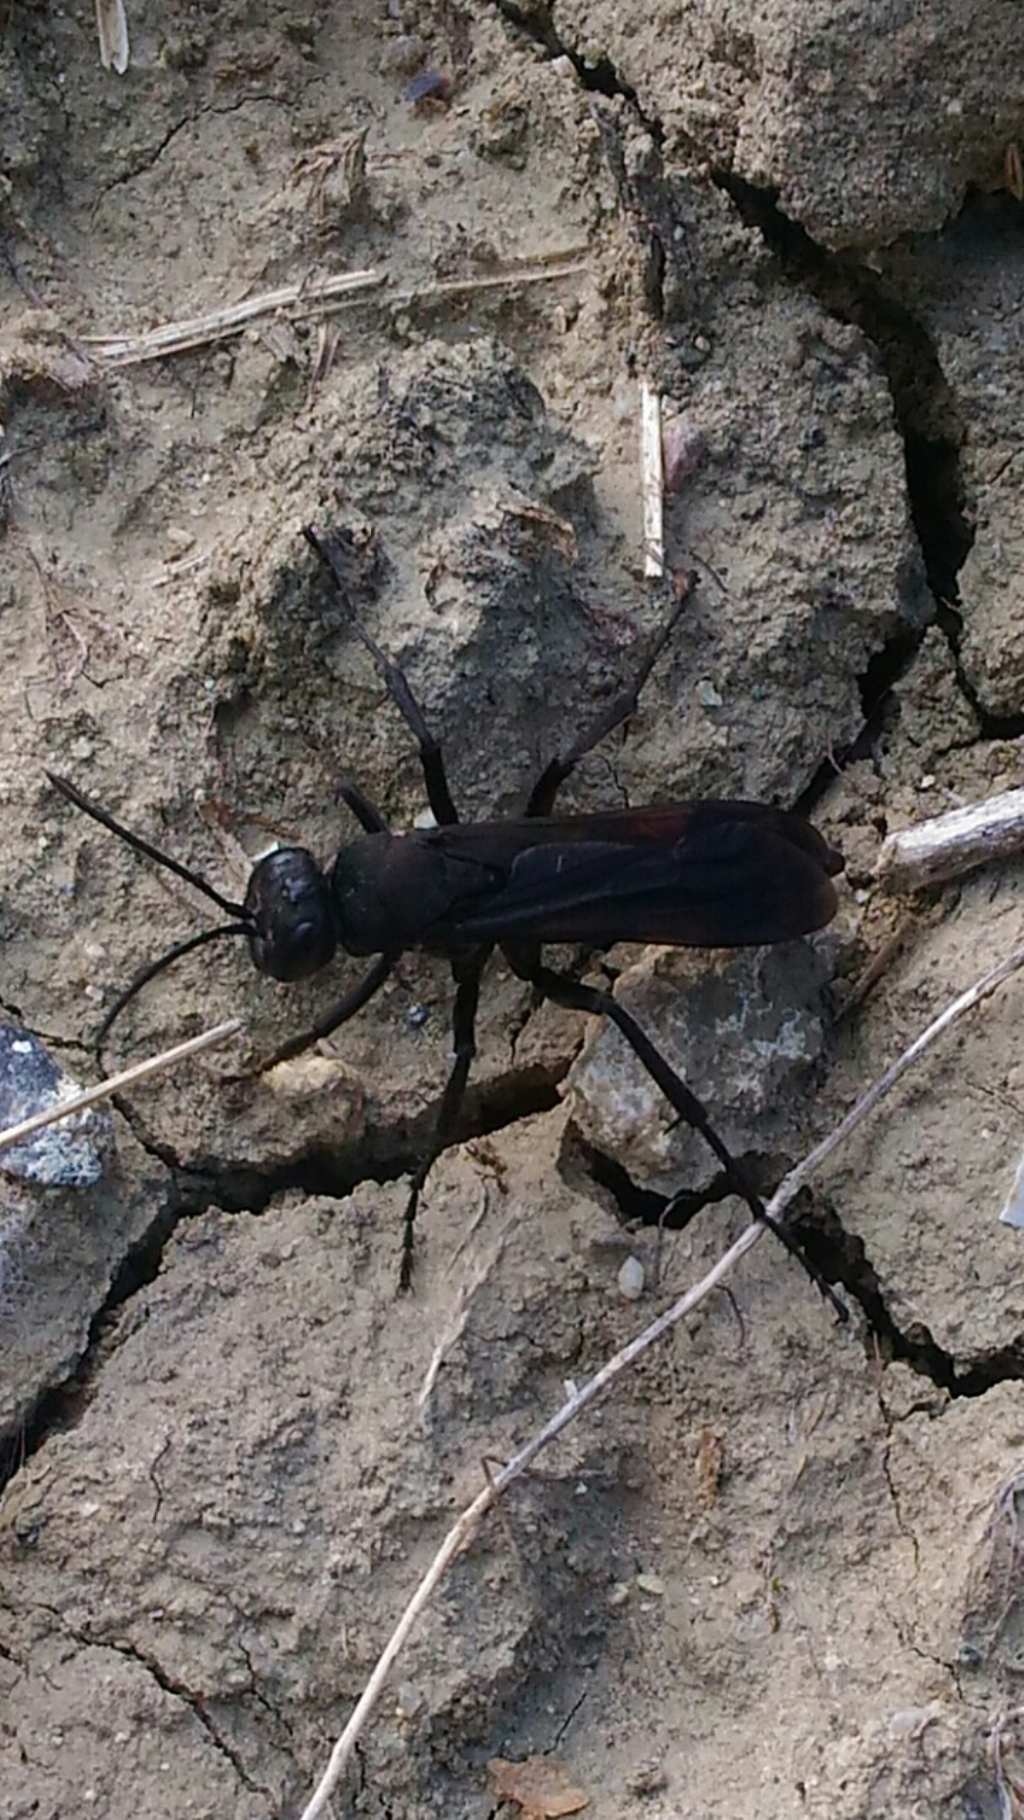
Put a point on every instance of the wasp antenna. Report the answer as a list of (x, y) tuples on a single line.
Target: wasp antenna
[(150, 971), (88, 807)]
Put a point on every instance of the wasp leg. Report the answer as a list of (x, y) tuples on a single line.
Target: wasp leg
[(338, 1014), (435, 778), (541, 799), (366, 813), (466, 972), (562, 990)]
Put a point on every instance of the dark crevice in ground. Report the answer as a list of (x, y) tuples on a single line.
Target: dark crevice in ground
[(63, 1406), (169, 1684), (932, 432), (644, 196), (598, 78), (840, 1258), (382, 1156), (637, 1206), (13, 1013), (929, 423), (992, 726), (924, 404)]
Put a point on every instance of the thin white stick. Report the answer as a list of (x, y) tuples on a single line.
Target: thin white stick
[(112, 28), (949, 845), (537, 273), (652, 476), (468, 1522), (218, 325), (313, 296), (140, 1071)]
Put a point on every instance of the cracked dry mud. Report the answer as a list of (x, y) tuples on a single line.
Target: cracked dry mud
[(777, 1572)]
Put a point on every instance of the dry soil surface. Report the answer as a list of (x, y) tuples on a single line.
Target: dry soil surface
[(776, 1573)]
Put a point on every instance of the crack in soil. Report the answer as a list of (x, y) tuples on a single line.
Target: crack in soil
[(894, 1496), (383, 1153), (932, 430), (924, 405), (645, 197), (169, 1684), (839, 1256), (153, 156), (950, 621), (598, 78), (387, 1155), (16, 1016), (842, 1259), (901, 1525)]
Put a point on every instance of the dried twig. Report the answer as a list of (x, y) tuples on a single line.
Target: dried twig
[(949, 845), (309, 296), (1013, 1207), (112, 28), (652, 471), (467, 1524), (315, 297), (140, 1071), (545, 269)]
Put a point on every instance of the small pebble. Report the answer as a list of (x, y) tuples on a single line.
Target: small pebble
[(409, 1700), (631, 1279), (648, 1778), (305, 1076), (707, 694), (650, 1584), (683, 448), (619, 1594), (416, 1016)]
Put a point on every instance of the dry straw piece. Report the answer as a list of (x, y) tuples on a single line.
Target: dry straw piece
[(652, 474), (220, 325), (319, 297), (112, 27)]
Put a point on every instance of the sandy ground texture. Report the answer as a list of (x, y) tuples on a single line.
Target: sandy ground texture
[(777, 1572)]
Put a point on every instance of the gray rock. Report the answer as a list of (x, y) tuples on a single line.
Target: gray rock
[(743, 1030), (71, 1154)]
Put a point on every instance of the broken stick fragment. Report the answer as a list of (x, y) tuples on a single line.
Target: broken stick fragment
[(652, 473), (952, 844), (112, 29)]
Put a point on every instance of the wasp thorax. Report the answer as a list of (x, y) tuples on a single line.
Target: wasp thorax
[(288, 904)]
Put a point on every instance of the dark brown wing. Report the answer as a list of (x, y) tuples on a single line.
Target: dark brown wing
[(708, 875)]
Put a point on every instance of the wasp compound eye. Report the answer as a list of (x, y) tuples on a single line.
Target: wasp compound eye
[(288, 909)]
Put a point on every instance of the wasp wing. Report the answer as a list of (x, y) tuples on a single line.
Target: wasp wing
[(708, 875)]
